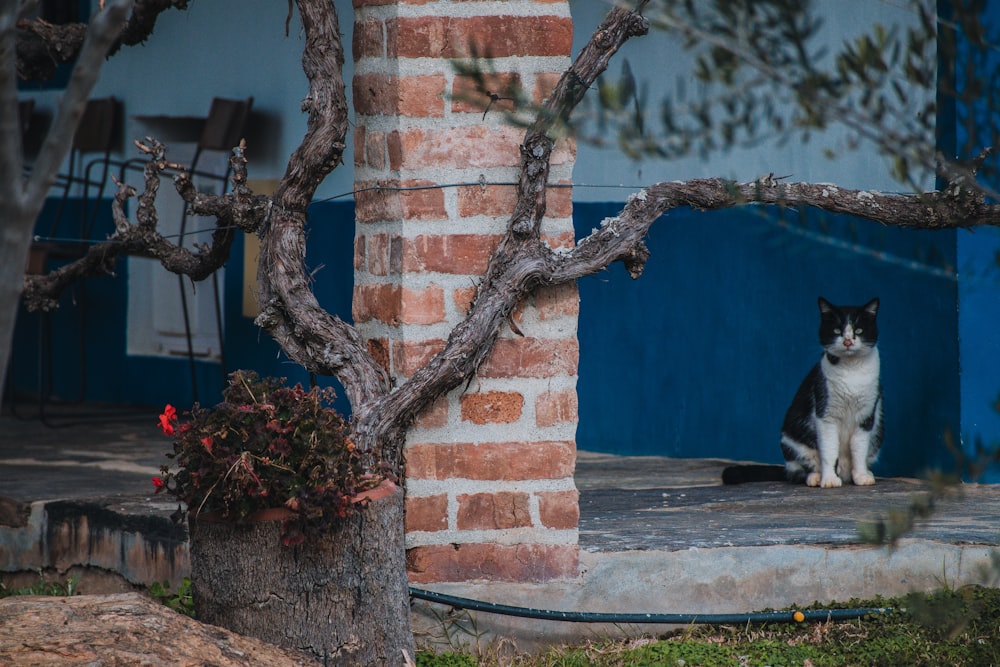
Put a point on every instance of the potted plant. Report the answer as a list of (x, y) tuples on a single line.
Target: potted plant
[(272, 482), (268, 451)]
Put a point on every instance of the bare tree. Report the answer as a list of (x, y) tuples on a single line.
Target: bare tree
[(324, 344)]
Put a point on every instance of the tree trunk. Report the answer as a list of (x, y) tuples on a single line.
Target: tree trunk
[(341, 596)]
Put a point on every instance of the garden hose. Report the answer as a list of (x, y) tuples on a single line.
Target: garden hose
[(789, 616)]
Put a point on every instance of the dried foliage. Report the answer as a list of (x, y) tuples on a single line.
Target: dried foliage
[(267, 446)]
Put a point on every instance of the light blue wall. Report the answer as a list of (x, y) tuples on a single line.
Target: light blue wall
[(223, 48), (661, 66)]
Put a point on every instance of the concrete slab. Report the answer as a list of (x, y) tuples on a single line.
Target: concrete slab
[(76, 492), (661, 504), (656, 535)]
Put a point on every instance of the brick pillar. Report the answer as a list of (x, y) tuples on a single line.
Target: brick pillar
[(490, 492)]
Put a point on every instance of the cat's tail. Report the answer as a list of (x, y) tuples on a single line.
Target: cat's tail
[(753, 472)]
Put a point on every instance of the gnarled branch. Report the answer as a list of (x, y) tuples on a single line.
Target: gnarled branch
[(42, 46), (238, 209)]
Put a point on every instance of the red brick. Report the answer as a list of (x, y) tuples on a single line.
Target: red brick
[(359, 145), (475, 146), (422, 203), (462, 254), (413, 96), (434, 416), (556, 407), (428, 513), (559, 510), (396, 254), (368, 40), (395, 147), (378, 254), (545, 83), (376, 302), (564, 151), (377, 201), (492, 562), (379, 349), (375, 150), (493, 511), (497, 407), (422, 96), (390, 200), (396, 305), (462, 298), (410, 356), (491, 200), (489, 36), (421, 306), (556, 301), (375, 94), (492, 460), (359, 253), (476, 95), (559, 201), (532, 357)]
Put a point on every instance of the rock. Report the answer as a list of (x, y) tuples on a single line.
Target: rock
[(122, 629)]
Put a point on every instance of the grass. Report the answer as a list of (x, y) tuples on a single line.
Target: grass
[(43, 587), (959, 627)]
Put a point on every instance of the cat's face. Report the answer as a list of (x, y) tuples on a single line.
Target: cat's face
[(848, 331)]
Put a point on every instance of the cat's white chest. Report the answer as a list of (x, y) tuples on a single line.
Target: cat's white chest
[(852, 384)]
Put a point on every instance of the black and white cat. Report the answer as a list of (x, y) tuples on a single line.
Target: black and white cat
[(833, 429)]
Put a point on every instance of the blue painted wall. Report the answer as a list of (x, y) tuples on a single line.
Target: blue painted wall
[(701, 356), (111, 376), (979, 270)]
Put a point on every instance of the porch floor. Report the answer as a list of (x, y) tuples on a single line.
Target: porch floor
[(105, 457)]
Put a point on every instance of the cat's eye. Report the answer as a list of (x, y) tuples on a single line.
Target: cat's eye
[(836, 331), (857, 331)]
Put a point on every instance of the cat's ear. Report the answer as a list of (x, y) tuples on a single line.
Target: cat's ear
[(871, 307), (825, 306)]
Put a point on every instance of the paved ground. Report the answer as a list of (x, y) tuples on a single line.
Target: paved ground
[(626, 503), (633, 503)]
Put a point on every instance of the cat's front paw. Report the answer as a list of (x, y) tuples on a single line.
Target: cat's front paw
[(831, 482), (864, 478), (812, 479)]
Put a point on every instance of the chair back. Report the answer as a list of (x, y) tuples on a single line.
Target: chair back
[(99, 127), (225, 124)]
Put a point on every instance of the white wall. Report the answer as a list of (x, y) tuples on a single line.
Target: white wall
[(658, 61)]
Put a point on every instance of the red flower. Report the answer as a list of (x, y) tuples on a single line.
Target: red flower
[(158, 483), (207, 441), (169, 415)]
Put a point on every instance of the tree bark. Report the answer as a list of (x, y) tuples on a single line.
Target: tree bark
[(342, 597)]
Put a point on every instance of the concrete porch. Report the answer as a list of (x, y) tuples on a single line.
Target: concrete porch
[(656, 535)]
